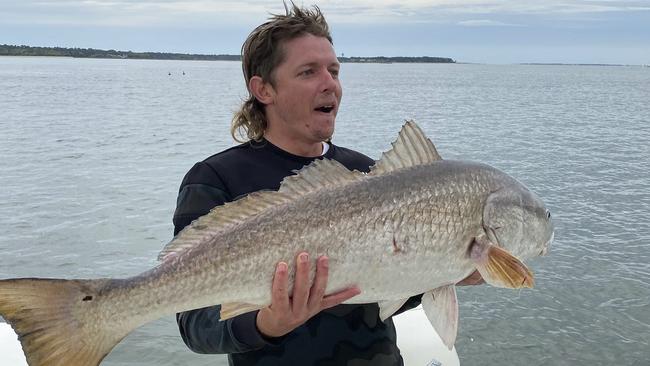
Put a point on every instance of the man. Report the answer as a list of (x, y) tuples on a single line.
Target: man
[(291, 72)]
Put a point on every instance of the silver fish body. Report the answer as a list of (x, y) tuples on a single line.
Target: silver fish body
[(415, 224), (393, 235)]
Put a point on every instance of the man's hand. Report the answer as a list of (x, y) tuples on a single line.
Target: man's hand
[(286, 313), (473, 279)]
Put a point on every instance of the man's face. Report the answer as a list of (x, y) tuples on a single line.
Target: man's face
[(306, 94)]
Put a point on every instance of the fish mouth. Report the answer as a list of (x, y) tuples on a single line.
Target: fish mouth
[(547, 244)]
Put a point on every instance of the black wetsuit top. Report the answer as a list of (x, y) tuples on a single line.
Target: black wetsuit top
[(343, 335)]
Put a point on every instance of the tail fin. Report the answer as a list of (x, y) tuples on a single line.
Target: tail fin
[(57, 320)]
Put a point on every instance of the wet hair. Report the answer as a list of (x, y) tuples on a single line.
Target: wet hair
[(262, 52)]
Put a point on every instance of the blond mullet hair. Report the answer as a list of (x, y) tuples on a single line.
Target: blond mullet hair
[(262, 52)]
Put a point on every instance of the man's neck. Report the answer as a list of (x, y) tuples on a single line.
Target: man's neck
[(305, 149)]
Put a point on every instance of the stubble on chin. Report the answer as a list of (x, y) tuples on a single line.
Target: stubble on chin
[(325, 136), (324, 133)]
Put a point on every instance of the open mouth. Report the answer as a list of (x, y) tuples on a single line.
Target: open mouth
[(325, 109)]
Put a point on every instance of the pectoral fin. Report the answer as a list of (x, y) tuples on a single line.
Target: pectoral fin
[(441, 307), (498, 267), (232, 309), (388, 308)]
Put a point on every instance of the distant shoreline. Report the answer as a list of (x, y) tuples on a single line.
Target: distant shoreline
[(22, 50), (35, 51), (569, 64)]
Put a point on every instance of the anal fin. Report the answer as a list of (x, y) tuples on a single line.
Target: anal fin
[(389, 307), (441, 307), (233, 309), (498, 267)]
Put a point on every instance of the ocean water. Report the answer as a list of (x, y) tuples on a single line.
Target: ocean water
[(92, 153)]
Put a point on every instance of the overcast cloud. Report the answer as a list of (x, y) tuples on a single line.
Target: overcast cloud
[(493, 31)]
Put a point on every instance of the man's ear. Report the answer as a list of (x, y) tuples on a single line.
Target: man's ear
[(262, 91)]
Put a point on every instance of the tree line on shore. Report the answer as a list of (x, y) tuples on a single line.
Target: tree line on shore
[(22, 50), (10, 50)]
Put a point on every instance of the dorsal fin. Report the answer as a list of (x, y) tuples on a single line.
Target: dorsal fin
[(411, 148), (221, 218), (320, 174)]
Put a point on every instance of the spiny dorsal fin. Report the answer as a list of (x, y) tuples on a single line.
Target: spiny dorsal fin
[(411, 148), (320, 174)]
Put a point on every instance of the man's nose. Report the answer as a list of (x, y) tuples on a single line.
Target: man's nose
[(329, 82)]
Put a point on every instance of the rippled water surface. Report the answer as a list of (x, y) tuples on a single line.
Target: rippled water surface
[(92, 153)]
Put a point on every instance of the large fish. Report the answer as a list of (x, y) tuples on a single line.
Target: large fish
[(415, 224)]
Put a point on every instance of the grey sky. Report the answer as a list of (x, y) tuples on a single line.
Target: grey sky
[(506, 31)]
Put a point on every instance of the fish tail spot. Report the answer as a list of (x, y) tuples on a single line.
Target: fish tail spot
[(53, 326)]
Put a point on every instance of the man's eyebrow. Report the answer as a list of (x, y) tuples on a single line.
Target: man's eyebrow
[(308, 64), (312, 64)]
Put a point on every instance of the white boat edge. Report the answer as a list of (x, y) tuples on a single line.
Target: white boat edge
[(416, 338), (10, 349), (419, 343)]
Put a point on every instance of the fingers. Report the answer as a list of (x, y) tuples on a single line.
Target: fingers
[(318, 301), (280, 294), (339, 297), (286, 313), (301, 295), (320, 283)]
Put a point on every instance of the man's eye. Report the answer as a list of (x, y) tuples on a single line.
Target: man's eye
[(306, 72), (334, 73)]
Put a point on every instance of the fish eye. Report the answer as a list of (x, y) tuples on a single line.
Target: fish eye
[(548, 214)]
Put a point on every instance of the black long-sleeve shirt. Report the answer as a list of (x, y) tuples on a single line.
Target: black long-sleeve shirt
[(342, 335)]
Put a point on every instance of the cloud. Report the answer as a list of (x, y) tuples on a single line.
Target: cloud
[(134, 12), (141, 13), (486, 23), (429, 7)]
